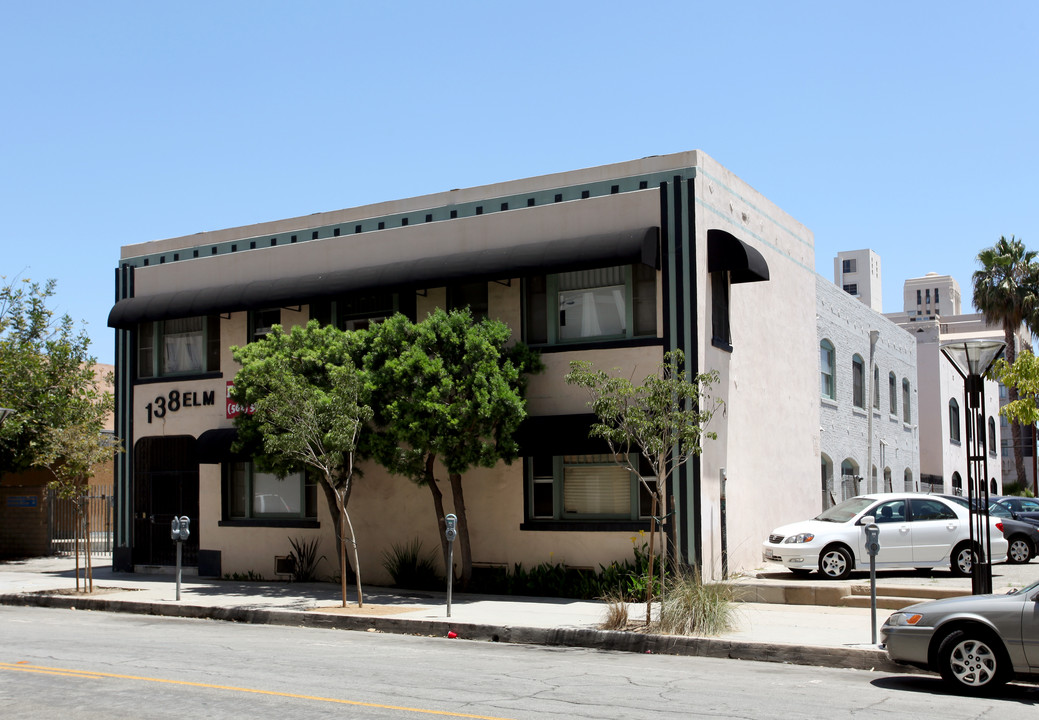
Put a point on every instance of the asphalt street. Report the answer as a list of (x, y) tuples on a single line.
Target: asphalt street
[(75, 664)]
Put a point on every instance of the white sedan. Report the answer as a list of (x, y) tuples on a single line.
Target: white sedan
[(916, 531)]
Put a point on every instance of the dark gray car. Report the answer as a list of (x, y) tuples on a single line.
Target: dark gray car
[(976, 642)]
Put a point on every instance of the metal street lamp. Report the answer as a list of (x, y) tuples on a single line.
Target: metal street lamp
[(972, 359)]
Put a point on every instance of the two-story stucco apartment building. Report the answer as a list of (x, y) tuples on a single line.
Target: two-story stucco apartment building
[(615, 264)]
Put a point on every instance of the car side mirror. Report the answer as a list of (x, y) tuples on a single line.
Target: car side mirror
[(867, 520)]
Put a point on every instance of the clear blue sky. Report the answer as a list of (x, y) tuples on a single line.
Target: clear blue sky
[(907, 127)]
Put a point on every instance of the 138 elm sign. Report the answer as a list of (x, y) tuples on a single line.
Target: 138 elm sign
[(176, 400)]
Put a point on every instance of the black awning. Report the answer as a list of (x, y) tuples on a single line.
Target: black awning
[(637, 246), (725, 252), (214, 446), (559, 435)]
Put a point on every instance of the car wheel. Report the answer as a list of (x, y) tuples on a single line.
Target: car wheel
[(835, 563), (962, 560), (1020, 550), (972, 660)]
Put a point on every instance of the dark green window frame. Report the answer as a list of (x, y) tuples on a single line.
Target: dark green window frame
[(543, 317), (151, 346), (545, 487), (243, 502)]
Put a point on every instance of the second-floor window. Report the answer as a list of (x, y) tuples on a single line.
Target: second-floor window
[(185, 346), (611, 303)]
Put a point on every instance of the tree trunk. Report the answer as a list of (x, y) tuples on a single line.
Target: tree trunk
[(649, 570), (341, 549), (79, 527), (332, 500), (357, 562), (438, 508), (463, 531), (90, 561)]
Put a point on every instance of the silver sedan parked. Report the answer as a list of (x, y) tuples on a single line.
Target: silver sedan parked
[(976, 642)]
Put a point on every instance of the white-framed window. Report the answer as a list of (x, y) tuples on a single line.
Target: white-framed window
[(992, 437), (892, 393), (184, 346), (357, 311), (876, 387), (827, 370), (611, 303), (586, 487), (252, 494)]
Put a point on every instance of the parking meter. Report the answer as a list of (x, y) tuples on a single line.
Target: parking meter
[(180, 528), (450, 532), (872, 539), (872, 547)]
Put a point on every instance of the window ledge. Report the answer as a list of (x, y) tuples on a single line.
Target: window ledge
[(178, 378), (828, 402), (721, 344), (598, 345), (270, 522), (585, 525)]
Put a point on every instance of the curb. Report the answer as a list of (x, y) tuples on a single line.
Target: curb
[(855, 658)]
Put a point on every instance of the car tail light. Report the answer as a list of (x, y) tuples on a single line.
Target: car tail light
[(999, 526)]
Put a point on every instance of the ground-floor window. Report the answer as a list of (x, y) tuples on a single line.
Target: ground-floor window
[(252, 494), (580, 487)]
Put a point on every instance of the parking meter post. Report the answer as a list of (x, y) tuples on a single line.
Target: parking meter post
[(450, 532), (180, 531), (873, 547)]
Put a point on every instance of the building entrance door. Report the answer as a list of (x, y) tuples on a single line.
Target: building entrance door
[(165, 485)]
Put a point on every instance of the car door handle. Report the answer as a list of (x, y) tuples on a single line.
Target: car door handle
[(951, 526), (904, 530)]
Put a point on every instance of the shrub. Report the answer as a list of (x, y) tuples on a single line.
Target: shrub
[(411, 567), (693, 607), (304, 559), (615, 617)]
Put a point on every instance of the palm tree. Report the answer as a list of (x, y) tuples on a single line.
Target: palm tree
[(1005, 293)]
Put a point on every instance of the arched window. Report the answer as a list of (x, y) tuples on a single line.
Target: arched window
[(991, 436), (827, 370), (858, 382), (954, 421), (876, 387), (906, 407), (887, 480), (892, 394), (873, 480), (993, 488), (907, 478), (957, 484), (827, 479)]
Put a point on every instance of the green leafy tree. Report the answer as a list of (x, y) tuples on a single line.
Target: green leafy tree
[(446, 389), (75, 452), (662, 420), (1023, 378), (47, 375), (1006, 291), (308, 411)]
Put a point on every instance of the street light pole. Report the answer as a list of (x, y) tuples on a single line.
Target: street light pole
[(972, 359)]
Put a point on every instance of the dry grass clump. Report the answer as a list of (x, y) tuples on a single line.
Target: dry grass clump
[(693, 607)]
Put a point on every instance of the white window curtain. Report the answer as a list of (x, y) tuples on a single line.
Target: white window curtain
[(183, 346), (592, 303)]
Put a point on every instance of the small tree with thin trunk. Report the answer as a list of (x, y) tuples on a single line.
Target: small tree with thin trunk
[(1023, 377), (663, 420), (82, 446), (307, 410)]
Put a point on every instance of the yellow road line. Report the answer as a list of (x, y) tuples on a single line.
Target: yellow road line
[(39, 669)]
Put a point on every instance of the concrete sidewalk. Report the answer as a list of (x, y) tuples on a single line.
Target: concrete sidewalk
[(769, 631)]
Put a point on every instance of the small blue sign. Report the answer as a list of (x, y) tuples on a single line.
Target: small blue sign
[(22, 501)]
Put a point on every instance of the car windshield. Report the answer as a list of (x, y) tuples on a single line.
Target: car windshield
[(845, 511), (998, 510)]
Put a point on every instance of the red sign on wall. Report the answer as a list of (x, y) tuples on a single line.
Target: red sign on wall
[(233, 408)]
